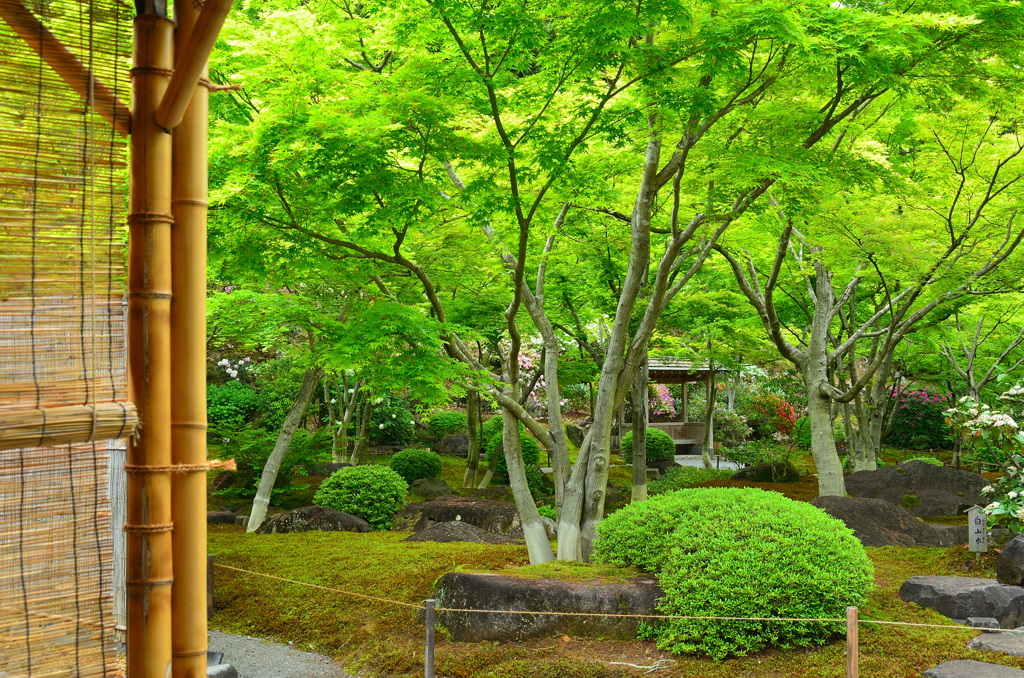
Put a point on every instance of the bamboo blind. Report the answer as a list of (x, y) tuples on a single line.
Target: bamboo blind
[(62, 329), (62, 179)]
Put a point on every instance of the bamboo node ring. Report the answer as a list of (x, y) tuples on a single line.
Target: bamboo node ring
[(139, 218), (151, 70), (149, 529)]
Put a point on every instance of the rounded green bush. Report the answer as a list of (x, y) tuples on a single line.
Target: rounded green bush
[(444, 424), (928, 459), (531, 450), (391, 422), (491, 426), (413, 464), (659, 446), (374, 493), (731, 552)]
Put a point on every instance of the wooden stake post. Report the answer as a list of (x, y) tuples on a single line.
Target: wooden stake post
[(852, 643)]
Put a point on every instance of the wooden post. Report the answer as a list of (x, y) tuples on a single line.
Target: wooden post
[(188, 338), (148, 530), (428, 665), (852, 644), (686, 403), (209, 587)]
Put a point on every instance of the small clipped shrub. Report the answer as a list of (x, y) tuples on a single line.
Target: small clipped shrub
[(491, 426), (928, 459), (374, 493), (686, 476), (659, 446), (413, 464), (756, 562), (531, 450), (391, 422), (444, 424)]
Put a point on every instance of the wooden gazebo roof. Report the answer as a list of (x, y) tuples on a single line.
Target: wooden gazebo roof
[(670, 370)]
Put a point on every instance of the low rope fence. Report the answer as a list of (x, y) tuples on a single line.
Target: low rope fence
[(852, 620)]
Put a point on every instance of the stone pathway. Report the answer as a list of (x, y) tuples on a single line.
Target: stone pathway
[(258, 658), (965, 668), (697, 461)]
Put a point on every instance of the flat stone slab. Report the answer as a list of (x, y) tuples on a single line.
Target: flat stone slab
[(486, 591), (964, 597), (967, 668), (1007, 643)]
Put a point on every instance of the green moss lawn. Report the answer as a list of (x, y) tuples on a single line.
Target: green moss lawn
[(383, 639)]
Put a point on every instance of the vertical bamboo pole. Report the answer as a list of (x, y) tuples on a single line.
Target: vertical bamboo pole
[(148, 531), (188, 380)]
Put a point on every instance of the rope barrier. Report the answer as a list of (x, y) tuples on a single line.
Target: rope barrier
[(827, 620)]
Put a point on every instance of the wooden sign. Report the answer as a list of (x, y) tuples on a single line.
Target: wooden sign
[(976, 530)]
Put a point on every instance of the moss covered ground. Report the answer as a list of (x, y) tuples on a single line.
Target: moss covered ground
[(385, 639)]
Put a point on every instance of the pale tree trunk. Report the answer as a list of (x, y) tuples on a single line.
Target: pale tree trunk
[(709, 419), (348, 408), (332, 421), (361, 448), (284, 440), (640, 417), (492, 464), (819, 411), (473, 423), (534, 533)]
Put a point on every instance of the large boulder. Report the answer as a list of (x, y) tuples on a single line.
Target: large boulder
[(220, 517), (664, 465), (923, 489), (310, 518), (485, 591), (459, 531), (327, 470), (1010, 563), (962, 597), (575, 434), (430, 488), (878, 523), (769, 472), (455, 446), (968, 668), (492, 516)]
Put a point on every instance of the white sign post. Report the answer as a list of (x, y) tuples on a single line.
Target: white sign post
[(976, 529)]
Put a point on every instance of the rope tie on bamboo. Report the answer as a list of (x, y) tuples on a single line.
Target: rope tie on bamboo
[(228, 465), (149, 529), (151, 70)]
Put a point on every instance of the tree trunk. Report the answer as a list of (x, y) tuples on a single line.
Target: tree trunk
[(473, 422), (284, 440), (492, 464), (534, 534), (332, 420), (709, 419), (819, 418), (361, 449), (639, 400)]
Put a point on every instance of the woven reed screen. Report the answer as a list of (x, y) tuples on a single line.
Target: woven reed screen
[(62, 197), (62, 333)]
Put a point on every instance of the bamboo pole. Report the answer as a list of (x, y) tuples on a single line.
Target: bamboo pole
[(188, 380), (148, 531), (190, 65), (65, 64)]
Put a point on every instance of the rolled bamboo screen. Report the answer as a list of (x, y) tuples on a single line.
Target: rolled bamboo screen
[(62, 205), (62, 362)]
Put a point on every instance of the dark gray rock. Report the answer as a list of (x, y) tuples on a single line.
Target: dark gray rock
[(483, 591), (430, 488), (221, 671), (494, 493), (459, 531), (967, 668), (327, 470), (213, 658), (1007, 643), (242, 521), (455, 446), (220, 517), (923, 489), (653, 474), (769, 472), (309, 518), (964, 597), (878, 523), (492, 516), (1010, 563), (956, 535), (663, 465), (983, 623), (575, 434)]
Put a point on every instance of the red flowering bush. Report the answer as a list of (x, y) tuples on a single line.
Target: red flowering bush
[(770, 414), (919, 422)]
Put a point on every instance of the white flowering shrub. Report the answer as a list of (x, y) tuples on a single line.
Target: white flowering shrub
[(997, 429), (391, 422)]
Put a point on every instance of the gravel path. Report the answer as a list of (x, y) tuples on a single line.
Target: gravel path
[(258, 658)]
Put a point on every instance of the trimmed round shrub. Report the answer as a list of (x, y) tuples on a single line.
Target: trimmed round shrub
[(413, 464), (928, 459), (374, 493), (391, 422), (444, 424), (659, 446), (531, 450), (230, 406), (767, 556)]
